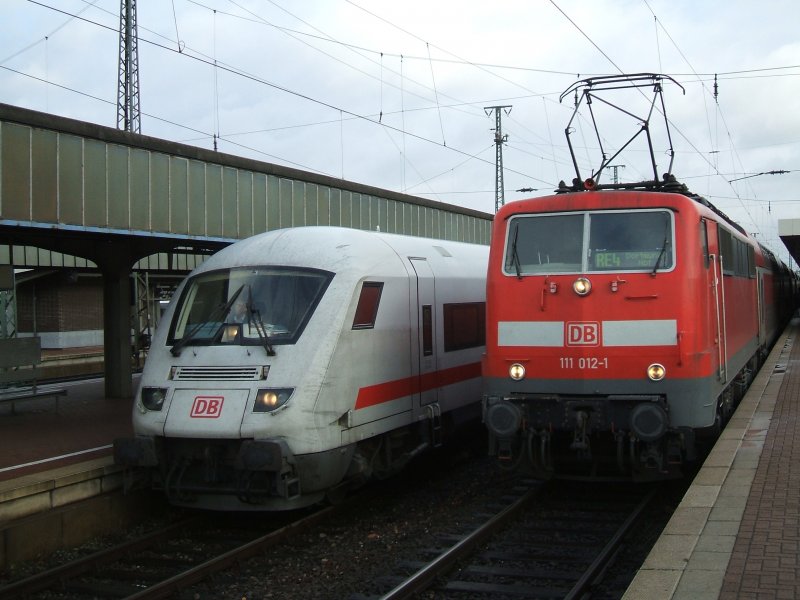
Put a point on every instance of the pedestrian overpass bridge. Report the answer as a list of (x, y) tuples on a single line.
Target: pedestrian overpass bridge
[(72, 192)]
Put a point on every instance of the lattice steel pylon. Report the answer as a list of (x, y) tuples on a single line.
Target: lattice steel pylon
[(499, 140), (128, 115)]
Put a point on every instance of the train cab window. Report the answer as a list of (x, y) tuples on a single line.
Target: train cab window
[(628, 241), (367, 307), (247, 306), (545, 244)]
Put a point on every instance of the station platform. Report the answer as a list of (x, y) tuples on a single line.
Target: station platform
[(58, 481), (50, 432), (55, 450), (736, 533)]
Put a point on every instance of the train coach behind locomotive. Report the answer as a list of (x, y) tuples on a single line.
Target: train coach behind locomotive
[(298, 363)]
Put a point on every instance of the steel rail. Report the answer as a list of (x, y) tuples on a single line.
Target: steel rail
[(47, 579), (602, 559), (169, 586), (422, 578)]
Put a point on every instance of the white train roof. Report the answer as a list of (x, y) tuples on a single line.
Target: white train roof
[(342, 248)]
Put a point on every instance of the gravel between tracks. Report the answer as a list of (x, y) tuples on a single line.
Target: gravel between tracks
[(340, 559)]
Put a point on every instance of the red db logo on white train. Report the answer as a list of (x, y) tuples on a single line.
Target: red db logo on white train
[(207, 407), (583, 334)]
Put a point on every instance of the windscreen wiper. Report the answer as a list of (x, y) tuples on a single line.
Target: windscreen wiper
[(663, 248), (221, 310), (515, 254), (254, 317)]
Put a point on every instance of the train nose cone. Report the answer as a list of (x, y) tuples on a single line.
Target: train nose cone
[(648, 421), (503, 418)]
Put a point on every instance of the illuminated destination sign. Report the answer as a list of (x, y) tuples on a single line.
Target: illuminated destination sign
[(645, 259)]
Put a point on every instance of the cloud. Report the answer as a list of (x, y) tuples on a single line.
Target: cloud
[(393, 94)]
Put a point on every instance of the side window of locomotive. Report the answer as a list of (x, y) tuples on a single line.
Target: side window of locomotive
[(544, 244), (704, 242), (738, 257), (367, 307), (726, 250), (631, 241), (464, 326)]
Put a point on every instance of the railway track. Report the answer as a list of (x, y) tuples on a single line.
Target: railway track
[(368, 544), (160, 563), (553, 541)]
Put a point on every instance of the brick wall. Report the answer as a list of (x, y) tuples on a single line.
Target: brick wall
[(61, 304)]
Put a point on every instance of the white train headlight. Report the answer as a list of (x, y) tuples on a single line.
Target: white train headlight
[(516, 371), (269, 399), (656, 372), (153, 397), (582, 286)]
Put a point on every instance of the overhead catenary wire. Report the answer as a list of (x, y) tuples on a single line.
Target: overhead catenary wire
[(436, 94), (440, 106), (227, 68)]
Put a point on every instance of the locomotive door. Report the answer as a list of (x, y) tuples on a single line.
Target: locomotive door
[(762, 317), (717, 285), (425, 390)]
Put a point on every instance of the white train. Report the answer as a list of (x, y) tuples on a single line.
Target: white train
[(298, 363)]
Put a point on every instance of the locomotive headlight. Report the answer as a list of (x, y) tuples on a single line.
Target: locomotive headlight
[(153, 397), (516, 371), (656, 372), (268, 400), (582, 286)]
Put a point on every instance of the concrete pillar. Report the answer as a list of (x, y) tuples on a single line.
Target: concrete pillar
[(116, 269)]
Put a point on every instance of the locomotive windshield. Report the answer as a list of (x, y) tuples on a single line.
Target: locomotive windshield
[(589, 242), (255, 305)]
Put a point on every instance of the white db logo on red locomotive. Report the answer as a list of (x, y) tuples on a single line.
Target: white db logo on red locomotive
[(207, 407), (583, 334)]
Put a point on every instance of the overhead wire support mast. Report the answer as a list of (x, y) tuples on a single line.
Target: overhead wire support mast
[(615, 170), (128, 113), (499, 140)]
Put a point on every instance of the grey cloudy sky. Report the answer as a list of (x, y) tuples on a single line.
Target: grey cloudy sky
[(393, 94)]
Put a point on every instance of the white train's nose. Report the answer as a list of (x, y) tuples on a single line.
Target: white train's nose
[(206, 412)]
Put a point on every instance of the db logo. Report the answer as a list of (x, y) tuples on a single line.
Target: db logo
[(583, 334), (207, 407)]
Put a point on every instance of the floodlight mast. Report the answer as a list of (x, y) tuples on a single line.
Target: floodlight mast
[(590, 90)]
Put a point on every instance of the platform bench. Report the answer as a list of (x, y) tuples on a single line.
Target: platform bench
[(19, 371)]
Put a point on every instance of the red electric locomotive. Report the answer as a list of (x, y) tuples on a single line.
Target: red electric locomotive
[(622, 323)]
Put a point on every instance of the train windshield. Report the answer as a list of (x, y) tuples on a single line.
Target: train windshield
[(631, 241), (254, 305)]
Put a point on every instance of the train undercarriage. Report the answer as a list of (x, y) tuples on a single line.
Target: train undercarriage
[(628, 437), (264, 474)]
